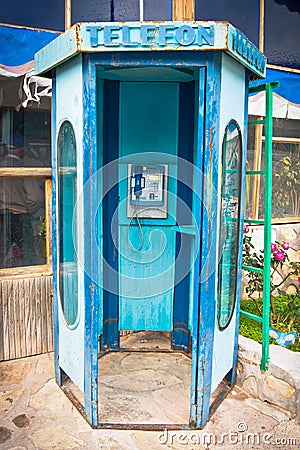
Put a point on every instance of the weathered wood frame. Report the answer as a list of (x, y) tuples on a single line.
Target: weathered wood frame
[(258, 143), (30, 172), (26, 318)]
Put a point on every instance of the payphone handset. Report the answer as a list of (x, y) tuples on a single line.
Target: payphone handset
[(147, 190)]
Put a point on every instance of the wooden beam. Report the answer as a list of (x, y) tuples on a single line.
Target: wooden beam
[(48, 214), (33, 172), (68, 14), (183, 10), (26, 271), (262, 25), (285, 69)]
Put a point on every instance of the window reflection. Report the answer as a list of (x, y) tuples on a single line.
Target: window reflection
[(229, 223), (285, 173), (22, 199)]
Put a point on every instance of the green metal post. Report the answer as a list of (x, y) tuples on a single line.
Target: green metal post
[(267, 220), (267, 228)]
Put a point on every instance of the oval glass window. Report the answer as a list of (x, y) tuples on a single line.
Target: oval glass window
[(229, 223), (67, 194)]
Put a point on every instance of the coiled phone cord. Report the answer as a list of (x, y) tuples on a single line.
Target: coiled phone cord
[(135, 215)]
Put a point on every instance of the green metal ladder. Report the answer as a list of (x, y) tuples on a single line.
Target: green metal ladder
[(266, 221)]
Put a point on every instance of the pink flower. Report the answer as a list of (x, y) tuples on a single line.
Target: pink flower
[(280, 256), (298, 279), (285, 245), (246, 229), (274, 248)]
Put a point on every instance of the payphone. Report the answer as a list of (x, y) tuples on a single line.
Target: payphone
[(147, 190), (147, 197), (176, 90)]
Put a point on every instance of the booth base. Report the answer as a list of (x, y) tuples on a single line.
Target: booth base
[(145, 383)]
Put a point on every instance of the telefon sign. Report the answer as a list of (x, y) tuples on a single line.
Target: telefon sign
[(241, 46), (109, 37), (163, 35)]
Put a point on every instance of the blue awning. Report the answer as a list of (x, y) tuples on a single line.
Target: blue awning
[(19, 44), (289, 87)]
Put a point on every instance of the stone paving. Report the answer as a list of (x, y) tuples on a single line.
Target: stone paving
[(35, 414)]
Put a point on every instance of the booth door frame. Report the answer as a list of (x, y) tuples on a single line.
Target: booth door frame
[(180, 330)]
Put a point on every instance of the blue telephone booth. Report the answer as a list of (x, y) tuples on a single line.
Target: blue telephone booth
[(149, 138)]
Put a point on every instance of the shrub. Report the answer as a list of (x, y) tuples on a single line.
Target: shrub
[(285, 308)]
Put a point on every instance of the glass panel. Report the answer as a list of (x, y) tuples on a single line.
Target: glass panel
[(286, 180), (286, 171), (254, 198), (67, 193), (229, 223), (251, 145), (22, 222), (24, 142), (25, 139), (286, 128)]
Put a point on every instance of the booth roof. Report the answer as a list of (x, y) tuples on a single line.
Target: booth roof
[(93, 37)]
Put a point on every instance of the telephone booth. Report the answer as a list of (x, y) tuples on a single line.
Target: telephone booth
[(149, 138)]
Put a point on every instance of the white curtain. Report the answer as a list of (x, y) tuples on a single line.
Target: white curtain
[(282, 108), (32, 87)]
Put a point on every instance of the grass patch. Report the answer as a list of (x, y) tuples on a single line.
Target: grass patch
[(285, 319)]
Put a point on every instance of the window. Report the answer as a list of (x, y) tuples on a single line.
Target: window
[(67, 196), (286, 171), (229, 223), (25, 189)]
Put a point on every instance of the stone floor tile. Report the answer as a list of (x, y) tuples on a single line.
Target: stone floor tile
[(50, 396), (56, 438), (238, 417), (14, 372), (106, 442), (21, 421), (45, 365), (268, 409), (8, 400), (5, 434), (18, 448), (81, 423)]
